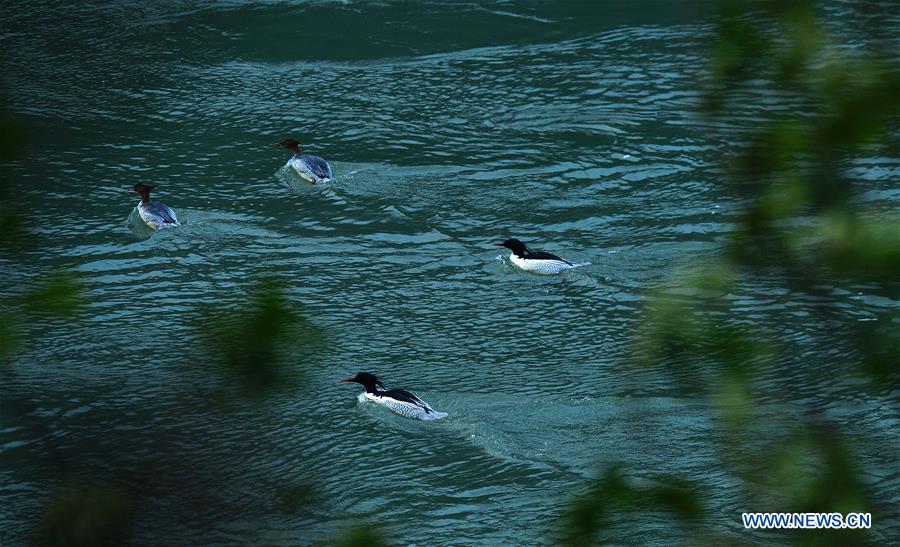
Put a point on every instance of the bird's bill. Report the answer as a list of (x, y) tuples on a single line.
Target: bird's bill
[(277, 145), (497, 244), (347, 380)]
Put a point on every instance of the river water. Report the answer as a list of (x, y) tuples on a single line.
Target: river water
[(449, 126)]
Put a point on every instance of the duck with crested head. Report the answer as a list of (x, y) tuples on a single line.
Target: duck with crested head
[(155, 213), (398, 400), (311, 168), (537, 262)]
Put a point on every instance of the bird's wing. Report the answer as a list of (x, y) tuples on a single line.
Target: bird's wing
[(318, 166), (407, 397), (540, 255), (161, 213), (168, 215)]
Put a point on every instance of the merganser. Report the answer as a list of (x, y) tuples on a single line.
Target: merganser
[(399, 400), (309, 167), (536, 262), (156, 214)]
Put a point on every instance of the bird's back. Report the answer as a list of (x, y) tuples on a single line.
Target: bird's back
[(541, 255), (309, 166), (157, 214), (406, 404)]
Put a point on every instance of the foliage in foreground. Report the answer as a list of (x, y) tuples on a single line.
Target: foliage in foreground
[(94, 495), (804, 223)]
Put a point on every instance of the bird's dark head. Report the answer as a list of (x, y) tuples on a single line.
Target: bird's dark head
[(143, 190), (290, 144), (514, 245), (369, 381)]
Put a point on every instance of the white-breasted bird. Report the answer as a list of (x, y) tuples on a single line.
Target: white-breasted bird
[(155, 213), (537, 261), (399, 400), (311, 168)]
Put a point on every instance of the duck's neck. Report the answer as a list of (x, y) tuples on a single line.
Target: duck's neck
[(295, 149), (145, 197)]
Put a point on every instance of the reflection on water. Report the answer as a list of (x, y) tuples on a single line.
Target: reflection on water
[(137, 225)]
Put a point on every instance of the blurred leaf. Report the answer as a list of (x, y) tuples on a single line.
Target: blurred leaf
[(295, 497), (865, 249), (264, 347), (803, 227), (12, 222), (879, 341), (9, 339), (88, 516), (59, 295), (13, 230), (612, 495), (361, 535), (10, 134)]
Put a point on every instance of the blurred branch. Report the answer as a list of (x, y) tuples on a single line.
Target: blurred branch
[(804, 224), (87, 516), (91, 491), (612, 494), (264, 347)]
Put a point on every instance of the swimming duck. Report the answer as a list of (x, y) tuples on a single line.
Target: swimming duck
[(536, 261), (156, 214), (309, 167), (399, 400)]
